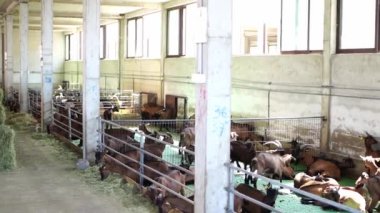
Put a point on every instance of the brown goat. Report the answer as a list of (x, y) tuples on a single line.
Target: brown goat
[(156, 192), (326, 168), (269, 198), (344, 196), (173, 204), (372, 146), (371, 165), (370, 185)]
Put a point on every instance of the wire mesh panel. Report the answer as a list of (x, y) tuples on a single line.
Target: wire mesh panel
[(304, 129)]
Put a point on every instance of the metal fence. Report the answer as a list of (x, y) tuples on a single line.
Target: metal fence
[(306, 130), (34, 103), (67, 121), (142, 155), (276, 185), (124, 99)]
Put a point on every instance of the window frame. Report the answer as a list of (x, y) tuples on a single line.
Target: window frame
[(102, 54), (181, 52), (67, 46), (136, 34), (376, 47), (307, 51)]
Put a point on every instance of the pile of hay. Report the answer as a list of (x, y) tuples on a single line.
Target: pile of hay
[(21, 121), (7, 149)]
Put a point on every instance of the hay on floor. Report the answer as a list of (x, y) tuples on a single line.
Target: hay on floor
[(7, 148)]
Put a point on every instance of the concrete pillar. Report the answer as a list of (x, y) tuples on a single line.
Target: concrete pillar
[(163, 53), (23, 91), (2, 52), (8, 74), (329, 49), (122, 45), (213, 108), (47, 61), (91, 74)]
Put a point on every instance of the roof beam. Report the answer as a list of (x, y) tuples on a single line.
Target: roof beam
[(74, 15), (131, 3)]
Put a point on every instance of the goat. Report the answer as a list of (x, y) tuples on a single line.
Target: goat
[(372, 146), (157, 193), (107, 115), (242, 152), (371, 165), (172, 204), (344, 196), (269, 198), (326, 168), (313, 184), (110, 166), (244, 130), (371, 186), (270, 165)]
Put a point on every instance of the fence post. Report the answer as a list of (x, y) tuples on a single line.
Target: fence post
[(142, 141), (69, 119)]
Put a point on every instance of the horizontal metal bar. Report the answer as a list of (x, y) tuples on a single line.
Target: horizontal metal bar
[(298, 191)]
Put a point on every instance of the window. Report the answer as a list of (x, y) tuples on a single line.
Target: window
[(134, 40), (256, 27), (358, 26), (144, 36), (112, 41), (101, 42), (72, 46), (181, 28), (152, 35), (302, 25)]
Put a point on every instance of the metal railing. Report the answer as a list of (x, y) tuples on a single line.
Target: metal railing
[(320, 199), (34, 103), (139, 144), (67, 121)]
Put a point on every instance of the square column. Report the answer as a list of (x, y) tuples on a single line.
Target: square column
[(24, 71), (91, 75), (213, 110), (8, 74), (47, 61)]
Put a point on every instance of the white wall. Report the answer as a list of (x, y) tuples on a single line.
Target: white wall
[(34, 41)]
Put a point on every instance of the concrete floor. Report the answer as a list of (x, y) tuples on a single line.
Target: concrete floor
[(43, 183)]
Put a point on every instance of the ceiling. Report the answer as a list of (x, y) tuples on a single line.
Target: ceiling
[(68, 13)]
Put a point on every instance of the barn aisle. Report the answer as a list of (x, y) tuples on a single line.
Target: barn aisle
[(46, 182)]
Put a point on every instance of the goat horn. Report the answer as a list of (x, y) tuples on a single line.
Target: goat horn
[(362, 157), (272, 142), (279, 143), (307, 145)]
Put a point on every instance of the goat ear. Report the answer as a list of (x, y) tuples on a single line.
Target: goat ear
[(363, 158), (376, 159)]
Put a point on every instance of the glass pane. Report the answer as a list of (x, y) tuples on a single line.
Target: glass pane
[(131, 37), (152, 35), (294, 25), (74, 46), (112, 43), (101, 44), (316, 24), (173, 32), (358, 24), (67, 47), (190, 46), (139, 37), (252, 19)]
